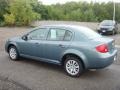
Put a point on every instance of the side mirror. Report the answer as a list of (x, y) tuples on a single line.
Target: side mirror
[(25, 37)]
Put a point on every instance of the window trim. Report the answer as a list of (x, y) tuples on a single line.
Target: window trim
[(63, 37)]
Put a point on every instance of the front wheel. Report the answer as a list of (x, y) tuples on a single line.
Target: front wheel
[(73, 66), (113, 32), (13, 53)]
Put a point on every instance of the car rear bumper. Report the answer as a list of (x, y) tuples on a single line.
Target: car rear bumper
[(104, 60)]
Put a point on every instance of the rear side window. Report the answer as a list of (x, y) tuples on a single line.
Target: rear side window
[(68, 36), (56, 34)]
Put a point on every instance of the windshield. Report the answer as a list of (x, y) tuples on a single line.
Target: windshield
[(107, 23)]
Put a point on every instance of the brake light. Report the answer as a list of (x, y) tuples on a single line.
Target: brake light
[(102, 48)]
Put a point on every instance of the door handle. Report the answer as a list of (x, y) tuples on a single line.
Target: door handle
[(60, 45), (36, 43)]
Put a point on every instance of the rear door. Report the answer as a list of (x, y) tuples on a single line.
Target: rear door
[(58, 41)]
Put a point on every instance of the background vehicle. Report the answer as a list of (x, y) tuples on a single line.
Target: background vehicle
[(75, 47), (108, 27)]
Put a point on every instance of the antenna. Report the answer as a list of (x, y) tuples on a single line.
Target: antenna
[(113, 10)]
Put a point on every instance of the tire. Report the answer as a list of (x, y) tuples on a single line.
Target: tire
[(13, 53), (113, 32), (73, 66)]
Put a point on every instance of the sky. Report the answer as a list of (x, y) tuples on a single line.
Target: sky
[(48, 2)]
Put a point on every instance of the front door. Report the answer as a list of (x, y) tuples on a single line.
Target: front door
[(33, 45)]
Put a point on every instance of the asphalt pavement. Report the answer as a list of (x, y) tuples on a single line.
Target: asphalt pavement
[(27, 74), (37, 75)]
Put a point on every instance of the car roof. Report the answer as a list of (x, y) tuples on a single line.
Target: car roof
[(64, 26), (73, 28)]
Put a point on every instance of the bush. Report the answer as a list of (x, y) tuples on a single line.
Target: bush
[(23, 12), (9, 19), (2, 24)]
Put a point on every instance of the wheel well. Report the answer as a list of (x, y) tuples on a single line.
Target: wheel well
[(72, 55), (10, 46)]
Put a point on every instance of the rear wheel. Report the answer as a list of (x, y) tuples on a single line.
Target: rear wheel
[(13, 53), (73, 66)]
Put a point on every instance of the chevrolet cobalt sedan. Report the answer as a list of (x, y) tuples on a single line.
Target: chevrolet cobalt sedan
[(76, 48)]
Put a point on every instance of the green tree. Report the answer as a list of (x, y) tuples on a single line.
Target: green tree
[(4, 4), (89, 16), (40, 9), (9, 19), (22, 11)]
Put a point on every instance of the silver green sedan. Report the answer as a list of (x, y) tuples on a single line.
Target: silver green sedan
[(76, 48)]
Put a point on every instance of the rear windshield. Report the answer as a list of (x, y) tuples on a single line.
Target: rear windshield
[(89, 33)]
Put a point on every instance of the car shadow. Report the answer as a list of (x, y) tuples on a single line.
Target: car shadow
[(87, 74), (40, 64), (98, 74)]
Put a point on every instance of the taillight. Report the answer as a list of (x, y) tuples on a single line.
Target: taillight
[(102, 48)]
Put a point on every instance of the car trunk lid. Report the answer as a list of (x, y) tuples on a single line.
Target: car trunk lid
[(104, 40)]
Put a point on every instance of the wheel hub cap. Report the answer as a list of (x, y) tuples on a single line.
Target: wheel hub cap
[(72, 67), (13, 53)]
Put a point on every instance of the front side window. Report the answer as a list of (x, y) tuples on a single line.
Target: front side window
[(56, 34), (39, 34)]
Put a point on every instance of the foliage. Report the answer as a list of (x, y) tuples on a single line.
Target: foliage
[(4, 4), (83, 11), (9, 19), (40, 9), (23, 12), (20, 13)]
